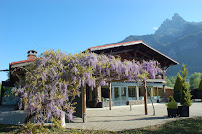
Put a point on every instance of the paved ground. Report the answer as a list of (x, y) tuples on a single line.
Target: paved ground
[(120, 118)]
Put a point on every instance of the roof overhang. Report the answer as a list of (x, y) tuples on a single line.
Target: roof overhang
[(114, 45), (137, 50), (20, 63)]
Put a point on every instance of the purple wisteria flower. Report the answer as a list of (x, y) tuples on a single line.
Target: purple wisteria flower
[(53, 79)]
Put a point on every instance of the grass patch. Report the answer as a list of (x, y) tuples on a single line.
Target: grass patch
[(185, 126)]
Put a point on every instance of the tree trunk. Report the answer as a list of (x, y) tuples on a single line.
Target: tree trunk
[(110, 97), (152, 102), (145, 97)]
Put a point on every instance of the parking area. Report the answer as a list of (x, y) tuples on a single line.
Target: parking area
[(121, 117)]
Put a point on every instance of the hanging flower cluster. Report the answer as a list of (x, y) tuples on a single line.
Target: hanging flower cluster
[(54, 79)]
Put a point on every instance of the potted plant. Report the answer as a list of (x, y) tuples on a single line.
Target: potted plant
[(172, 107), (185, 99)]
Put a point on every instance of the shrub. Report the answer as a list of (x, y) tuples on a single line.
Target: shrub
[(172, 103)]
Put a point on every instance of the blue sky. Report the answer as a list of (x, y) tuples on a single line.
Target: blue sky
[(75, 25)]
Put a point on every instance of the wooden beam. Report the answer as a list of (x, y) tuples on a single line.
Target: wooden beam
[(119, 52), (135, 52), (110, 97), (84, 104), (144, 54), (129, 56), (124, 57)]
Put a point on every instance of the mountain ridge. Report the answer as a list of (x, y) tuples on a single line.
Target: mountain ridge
[(178, 39)]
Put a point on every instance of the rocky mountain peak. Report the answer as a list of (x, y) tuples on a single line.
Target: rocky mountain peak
[(178, 18), (172, 27)]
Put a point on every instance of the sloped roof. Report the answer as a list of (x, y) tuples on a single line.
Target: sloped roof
[(114, 45), (20, 63), (137, 50)]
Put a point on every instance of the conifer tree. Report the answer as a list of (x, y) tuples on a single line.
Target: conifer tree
[(185, 99), (178, 83), (184, 72)]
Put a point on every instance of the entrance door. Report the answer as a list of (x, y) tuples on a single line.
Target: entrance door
[(119, 95), (123, 96), (115, 96)]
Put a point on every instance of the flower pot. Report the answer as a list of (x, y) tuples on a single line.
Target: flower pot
[(183, 111), (172, 112)]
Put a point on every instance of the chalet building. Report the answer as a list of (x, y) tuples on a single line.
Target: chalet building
[(131, 92), (122, 93)]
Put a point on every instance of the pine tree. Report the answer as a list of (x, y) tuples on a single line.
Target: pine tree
[(184, 72), (200, 85), (185, 97), (178, 83)]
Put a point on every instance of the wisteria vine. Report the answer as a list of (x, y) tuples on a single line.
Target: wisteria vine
[(54, 79)]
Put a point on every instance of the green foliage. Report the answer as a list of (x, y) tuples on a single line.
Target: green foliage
[(195, 79), (171, 98), (200, 85), (178, 83), (33, 128), (184, 72), (171, 81), (172, 103), (185, 97), (7, 92)]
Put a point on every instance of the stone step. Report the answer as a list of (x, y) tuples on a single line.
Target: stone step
[(7, 108), (12, 117)]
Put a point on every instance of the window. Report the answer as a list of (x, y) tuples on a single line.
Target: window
[(105, 91), (131, 91), (141, 91)]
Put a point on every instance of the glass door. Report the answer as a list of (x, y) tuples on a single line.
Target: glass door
[(116, 97), (123, 95), (119, 95)]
